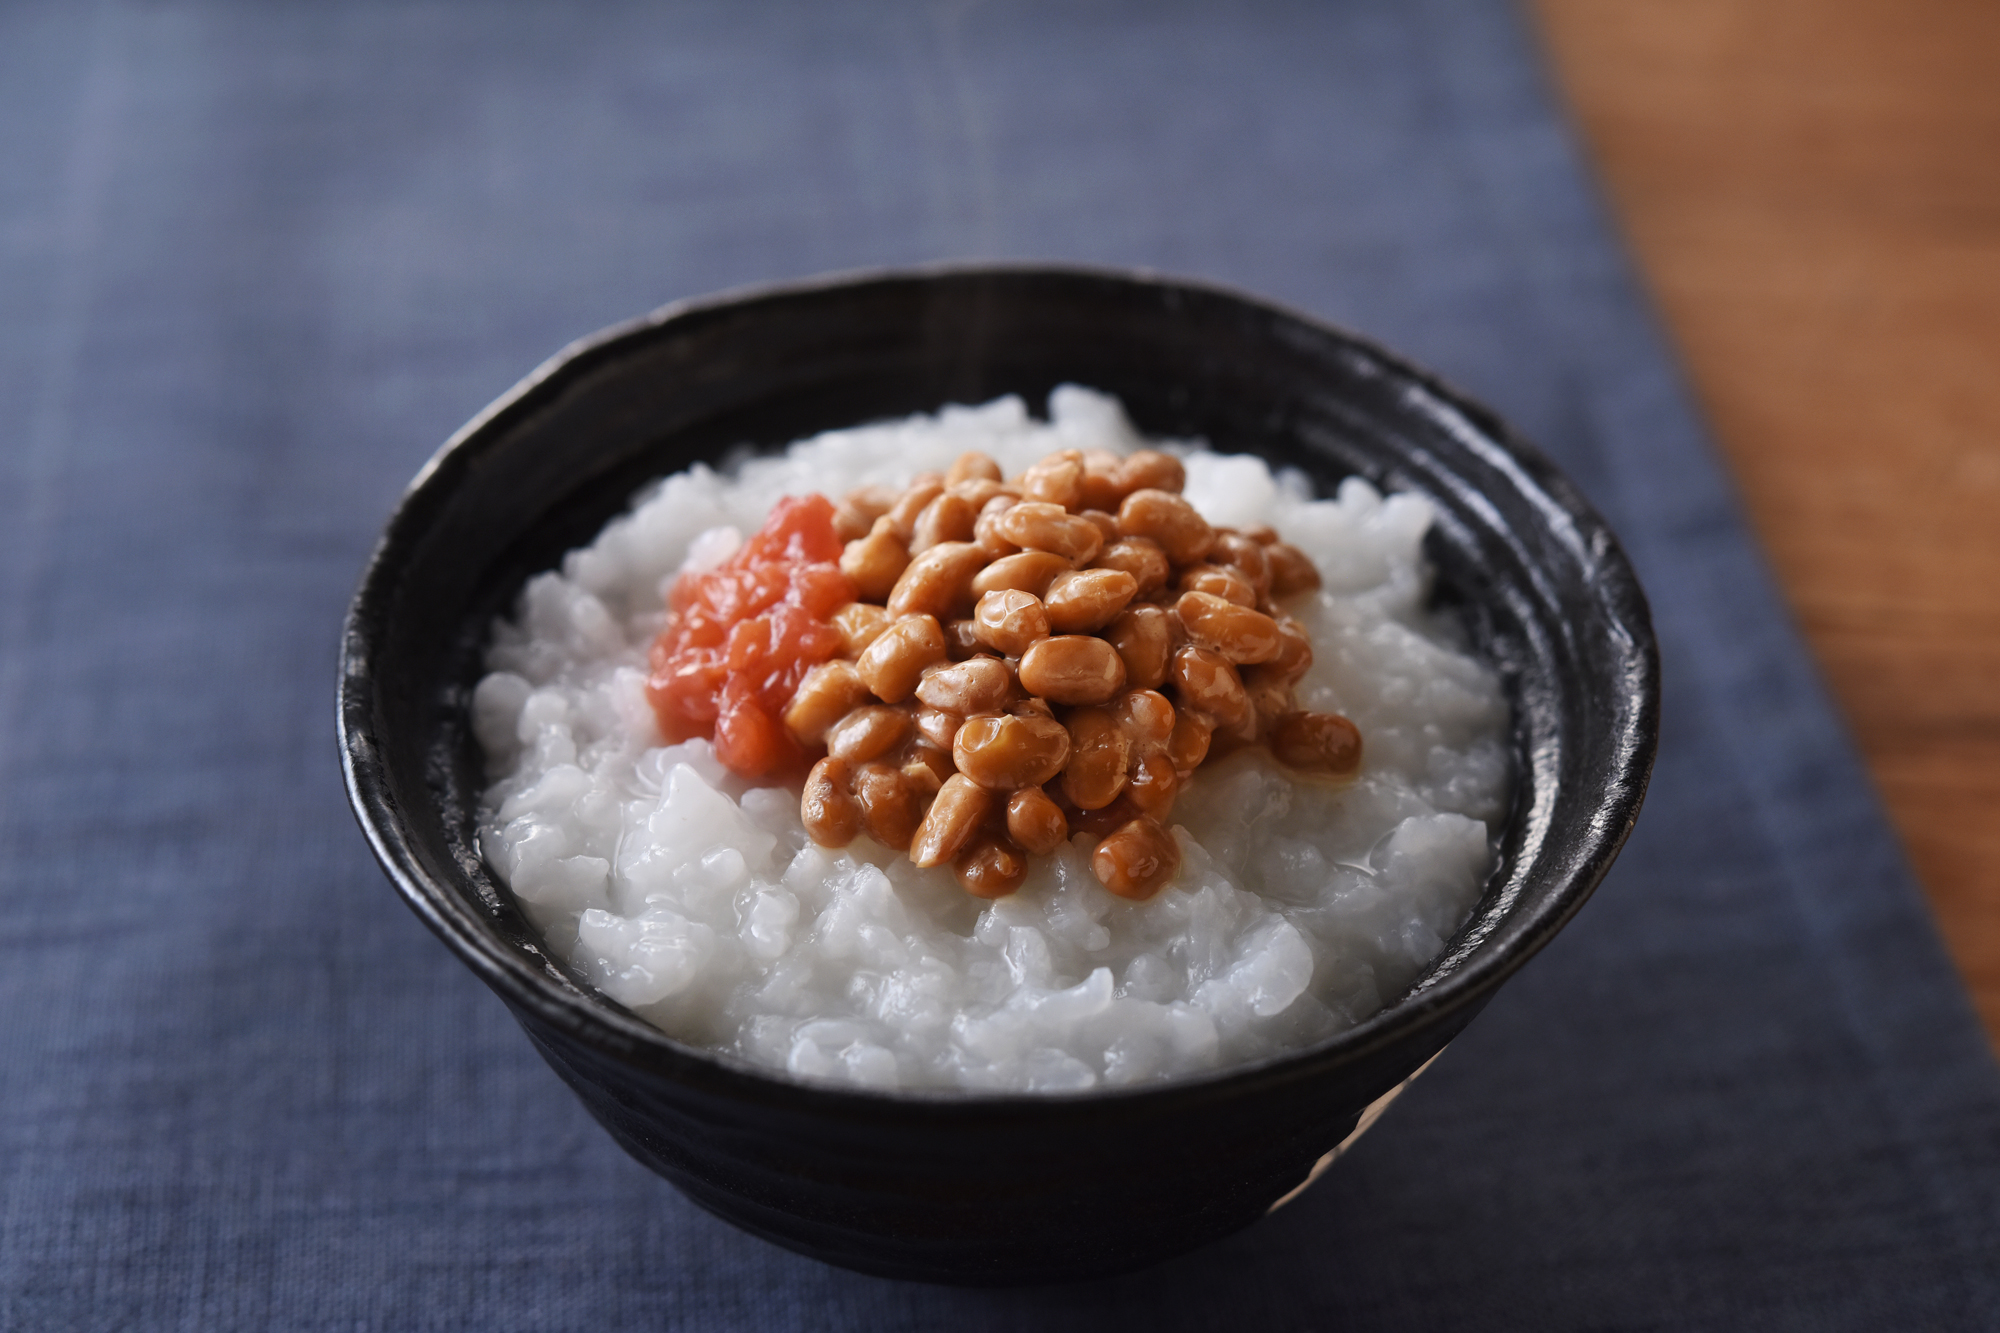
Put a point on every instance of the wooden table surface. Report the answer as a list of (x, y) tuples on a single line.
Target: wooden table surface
[(1812, 189)]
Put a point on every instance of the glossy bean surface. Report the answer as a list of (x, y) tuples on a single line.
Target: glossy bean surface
[(868, 733), (1247, 558), (859, 624), (1239, 633), (1035, 822), (1142, 558), (948, 518), (1147, 720), (1040, 526), (1292, 572), (875, 561), (1317, 743), (1087, 599), (1000, 684), (895, 661), (827, 809), (1099, 751), (1188, 745), (991, 869), (976, 685), (1008, 751), (1153, 785), (1150, 469), (1219, 581), (1166, 518), (889, 808), (1057, 479), (1137, 860), (828, 693), (1008, 620), (1024, 571), (913, 501), (956, 813), (938, 582), (1143, 638), (1073, 669), (937, 726), (1206, 682)]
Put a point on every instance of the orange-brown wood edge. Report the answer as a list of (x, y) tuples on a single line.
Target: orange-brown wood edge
[(1812, 189)]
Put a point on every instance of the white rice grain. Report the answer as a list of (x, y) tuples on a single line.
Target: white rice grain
[(697, 901)]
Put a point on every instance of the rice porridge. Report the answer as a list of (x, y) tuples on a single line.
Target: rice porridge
[(1290, 887)]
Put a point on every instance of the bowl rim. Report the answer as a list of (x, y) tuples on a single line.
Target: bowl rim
[(604, 1026)]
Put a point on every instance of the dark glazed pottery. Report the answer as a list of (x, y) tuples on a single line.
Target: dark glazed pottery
[(988, 1189)]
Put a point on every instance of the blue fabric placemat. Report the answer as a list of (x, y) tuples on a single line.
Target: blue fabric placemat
[(257, 260)]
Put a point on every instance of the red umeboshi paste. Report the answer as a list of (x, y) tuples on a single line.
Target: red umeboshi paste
[(739, 638)]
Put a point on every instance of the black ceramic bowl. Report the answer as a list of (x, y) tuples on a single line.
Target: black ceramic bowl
[(988, 1189)]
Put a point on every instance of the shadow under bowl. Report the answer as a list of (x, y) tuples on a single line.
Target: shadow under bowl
[(957, 1187)]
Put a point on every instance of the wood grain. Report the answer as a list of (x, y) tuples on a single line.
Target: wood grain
[(1812, 188)]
